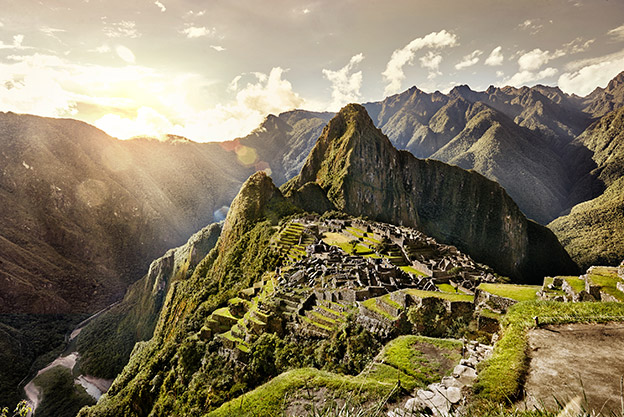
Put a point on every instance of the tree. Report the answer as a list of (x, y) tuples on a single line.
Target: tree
[(21, 409)]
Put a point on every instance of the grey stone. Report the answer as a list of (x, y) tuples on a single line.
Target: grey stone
[(453, 394), (449, 382)]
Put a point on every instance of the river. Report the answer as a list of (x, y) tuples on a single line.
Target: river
[(95, 387)]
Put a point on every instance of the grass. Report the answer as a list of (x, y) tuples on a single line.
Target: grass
[(317, 324), (401, 360), (411, 269), (442, 295), (446, 288), (513, 291), (269, 399), (405, 354), (607, 278), (224, 312), (576, 283), (500, 377), (371, 304)]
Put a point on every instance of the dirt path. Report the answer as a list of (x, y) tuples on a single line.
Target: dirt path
[(563, 356)]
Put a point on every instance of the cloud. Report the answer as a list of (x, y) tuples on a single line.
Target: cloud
[(431, 60), (102, 49), (160, 6), (191, 13), (469, 60), (617, 33), (18, 41), (192, 32), (217, 48), (590, 74), (123, 29), (345, 83), (125, 53), (394, 74), (524, 77), (535, 59), (496, 57), (531, 26)]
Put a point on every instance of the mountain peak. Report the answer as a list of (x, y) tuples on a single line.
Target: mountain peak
[(616, 82)]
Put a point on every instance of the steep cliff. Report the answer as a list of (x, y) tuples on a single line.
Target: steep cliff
[(106, 342)]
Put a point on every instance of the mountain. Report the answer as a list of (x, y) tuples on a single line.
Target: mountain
[(242, 317), (592, 232), (604, 100), (106, 342), (83, 215), (363, 174), (281, 143)]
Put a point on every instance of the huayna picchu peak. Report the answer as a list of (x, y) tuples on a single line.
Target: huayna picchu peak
[(361, 173)]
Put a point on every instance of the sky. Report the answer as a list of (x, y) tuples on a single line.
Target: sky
[(212, 70)]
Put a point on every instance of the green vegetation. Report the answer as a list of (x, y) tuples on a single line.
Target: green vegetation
[(441, 295), (590, 242), (29, 340), (500, 377), (576, 283), (607, 278), (61, 397), (513, 291), (446, 288), (401, 362), (411, 269)]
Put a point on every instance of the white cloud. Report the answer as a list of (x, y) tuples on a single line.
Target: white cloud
[(125, 53), (345, 83), (469, 60), (496, 57), (191, 13), (531, 26), (160, 6), (394, 74), (17, 43), (217, 48), (617, 33), (500, 74), (524, 77), (123, 29), (591, 74), (534, 60), (102, 49), (197, 31), (306, 11), (431, 60)]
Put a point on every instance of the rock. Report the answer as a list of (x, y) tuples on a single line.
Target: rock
[(449, 382), (465, 375), (453, 395), (424, 395), (413, 404)]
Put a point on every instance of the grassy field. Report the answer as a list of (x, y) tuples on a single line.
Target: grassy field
[(515, 292)]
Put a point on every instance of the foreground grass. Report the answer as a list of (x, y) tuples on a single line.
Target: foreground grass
[(401, 367), (501, 377), (269, 399)]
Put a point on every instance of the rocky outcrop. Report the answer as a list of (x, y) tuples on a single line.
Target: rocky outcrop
[(363, 174)]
